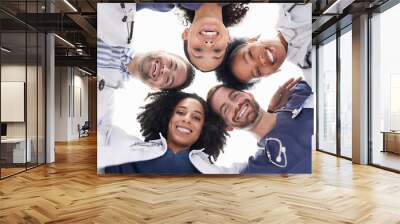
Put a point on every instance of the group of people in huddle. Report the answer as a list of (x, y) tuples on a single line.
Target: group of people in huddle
[(182, 133)]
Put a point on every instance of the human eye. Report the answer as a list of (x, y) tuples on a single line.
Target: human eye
[(180, 112), (217, 50), (198, 49), (225, 109), (250, 55), (258, 72), (235, 95), (167, 80), (197, 118)]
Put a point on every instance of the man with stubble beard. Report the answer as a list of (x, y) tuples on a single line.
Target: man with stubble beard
[(118, 61), (283, 132)]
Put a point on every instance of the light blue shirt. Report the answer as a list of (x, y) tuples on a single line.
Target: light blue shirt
[(114, 57)]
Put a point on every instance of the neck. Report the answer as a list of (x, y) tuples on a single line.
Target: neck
[(176, 148), (208, 10), (265, 124), (283, 41)]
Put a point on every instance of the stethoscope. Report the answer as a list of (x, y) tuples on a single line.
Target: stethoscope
[(129, 23), (103, 84), (282, 149), (281, 153)]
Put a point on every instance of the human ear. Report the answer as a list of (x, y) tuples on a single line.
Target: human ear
[(185, 34)]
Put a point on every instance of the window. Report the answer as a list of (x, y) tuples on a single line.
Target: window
[(346, 93), (327, 97), (385, 89)]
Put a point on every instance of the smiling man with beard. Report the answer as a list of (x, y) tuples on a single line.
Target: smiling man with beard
[(117, 61), (161, 70), (284, 132)]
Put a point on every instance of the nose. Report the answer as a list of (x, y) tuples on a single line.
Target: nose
[(186, 118), (164, 69), (209, 43), (262, 60)]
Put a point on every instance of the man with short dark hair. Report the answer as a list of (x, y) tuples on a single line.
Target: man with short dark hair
[(117, 60), (284, 135)]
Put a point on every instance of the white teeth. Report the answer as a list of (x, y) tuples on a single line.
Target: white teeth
[(270, 56), (184, 130), (209, 33), (242, 111)]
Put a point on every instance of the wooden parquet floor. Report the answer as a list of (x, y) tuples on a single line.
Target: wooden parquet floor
[(69, 191)]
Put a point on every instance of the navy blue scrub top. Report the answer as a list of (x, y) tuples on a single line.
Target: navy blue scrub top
[(294, 133), (169, 163)]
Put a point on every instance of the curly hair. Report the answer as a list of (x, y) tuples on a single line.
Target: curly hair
[(232, 14), (224, 72), (156, 116)]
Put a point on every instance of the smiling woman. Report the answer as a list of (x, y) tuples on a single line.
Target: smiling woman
[(206, 39), (191, 130)]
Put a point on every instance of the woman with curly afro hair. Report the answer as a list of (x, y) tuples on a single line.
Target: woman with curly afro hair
[(207, 37), (180, 131)]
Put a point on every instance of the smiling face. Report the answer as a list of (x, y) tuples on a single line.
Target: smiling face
[(162, 70), (257, 59), (207, 39), (186, 124), (238, 109)]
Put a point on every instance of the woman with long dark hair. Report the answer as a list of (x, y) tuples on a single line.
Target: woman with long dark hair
[(178, 128)]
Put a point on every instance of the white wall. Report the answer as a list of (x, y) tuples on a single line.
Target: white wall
[(16, 73), (71, 94)]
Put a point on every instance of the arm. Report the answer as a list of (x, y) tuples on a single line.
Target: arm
[(123, 148), (294, 24)]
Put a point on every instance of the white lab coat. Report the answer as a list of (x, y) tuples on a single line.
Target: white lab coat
[(112, 31), (295, 25), (120, 148), (110, 27)]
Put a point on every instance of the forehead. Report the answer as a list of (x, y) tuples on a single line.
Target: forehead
[(220, 96), (190, 104)]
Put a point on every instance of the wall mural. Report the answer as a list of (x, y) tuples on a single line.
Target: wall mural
[(204, 88)]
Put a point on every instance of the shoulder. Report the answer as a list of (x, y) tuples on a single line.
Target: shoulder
[(201, 161)]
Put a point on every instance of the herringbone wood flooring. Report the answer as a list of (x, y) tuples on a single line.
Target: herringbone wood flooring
[(69, 191)]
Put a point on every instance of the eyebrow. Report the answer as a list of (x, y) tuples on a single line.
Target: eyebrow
[(231, 93), (196, 111), (244, 57)]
